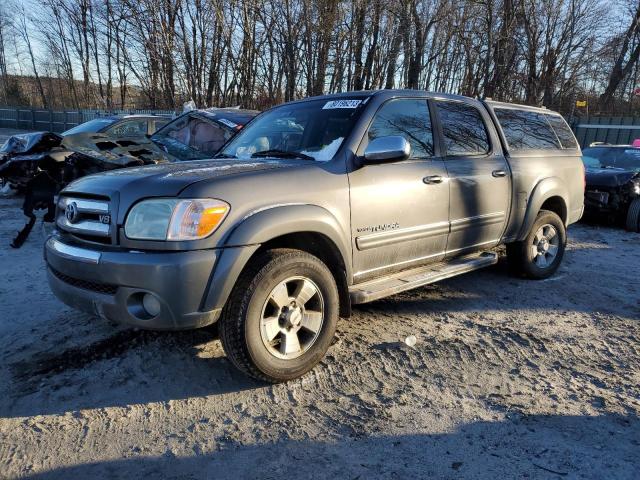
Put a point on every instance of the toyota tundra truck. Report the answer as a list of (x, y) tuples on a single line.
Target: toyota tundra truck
[(314, 206)]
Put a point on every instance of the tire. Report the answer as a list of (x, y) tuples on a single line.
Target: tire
[(534, 258), (633, 216), (260, 319)]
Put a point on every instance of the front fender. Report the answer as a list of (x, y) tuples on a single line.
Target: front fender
[(260, 227), (544, 190)]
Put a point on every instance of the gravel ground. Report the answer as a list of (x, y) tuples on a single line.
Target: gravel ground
[(509, 379)]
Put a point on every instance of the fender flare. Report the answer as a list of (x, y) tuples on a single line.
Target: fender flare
[(260, 227), (544, 190)]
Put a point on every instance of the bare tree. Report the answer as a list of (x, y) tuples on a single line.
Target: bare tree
[(628, 54), (255, 53), (24, 32)]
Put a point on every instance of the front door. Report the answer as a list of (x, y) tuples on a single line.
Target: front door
[(479, 178), (400, 210)]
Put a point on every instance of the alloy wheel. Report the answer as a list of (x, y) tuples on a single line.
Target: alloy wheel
[(546, 243), (292, 317)]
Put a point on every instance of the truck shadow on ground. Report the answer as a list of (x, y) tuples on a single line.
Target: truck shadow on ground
[(138, 367), (129, 367), (495, 289), (542, 446)]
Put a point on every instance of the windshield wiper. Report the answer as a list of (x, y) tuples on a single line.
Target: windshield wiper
[(224, 155), (282, 154)]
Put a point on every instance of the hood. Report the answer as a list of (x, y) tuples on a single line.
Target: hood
[(119, 151), (169, 178), (98, 146), (609, 177)]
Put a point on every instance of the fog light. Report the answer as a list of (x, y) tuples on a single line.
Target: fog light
[(151, 304)]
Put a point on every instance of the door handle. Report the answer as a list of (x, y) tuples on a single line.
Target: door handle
[(499, 173), (433, 179)]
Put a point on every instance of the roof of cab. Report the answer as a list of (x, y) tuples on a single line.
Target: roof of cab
[(421, 93), (239, 115), (517, 106), (145, 115), (389, 93), (126, 116)]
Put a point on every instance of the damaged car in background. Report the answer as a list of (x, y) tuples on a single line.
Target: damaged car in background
[(21, 154), (121, 125), (40, 164), (613, 184)]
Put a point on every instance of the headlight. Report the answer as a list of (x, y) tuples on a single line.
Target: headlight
[(175, 219)]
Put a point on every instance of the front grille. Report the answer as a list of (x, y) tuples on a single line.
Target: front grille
[(89, 219), (103, 288)]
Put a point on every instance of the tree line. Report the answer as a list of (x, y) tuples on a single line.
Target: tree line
[(158, 54)]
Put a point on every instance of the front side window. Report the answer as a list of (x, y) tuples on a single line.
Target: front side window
[(312, 130), (128, 128), (190, 137), (463, 129), (526, 130), (408, 118)]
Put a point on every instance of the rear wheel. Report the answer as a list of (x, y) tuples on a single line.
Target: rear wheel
[(281, 316), (633, 216), (539, 255)]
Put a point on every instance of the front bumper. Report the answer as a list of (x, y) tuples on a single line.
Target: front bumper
[(112, 284)]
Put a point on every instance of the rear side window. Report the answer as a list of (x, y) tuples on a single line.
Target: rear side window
[(564, 133), (408, 118), (463, 129), (526, 130)]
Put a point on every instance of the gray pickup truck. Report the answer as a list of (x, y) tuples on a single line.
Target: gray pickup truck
[(314, 206)]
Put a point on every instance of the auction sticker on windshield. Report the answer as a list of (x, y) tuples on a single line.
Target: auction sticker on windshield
[(341, 104)]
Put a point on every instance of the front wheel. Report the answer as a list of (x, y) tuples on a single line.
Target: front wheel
[(539, 255), (281, 316)]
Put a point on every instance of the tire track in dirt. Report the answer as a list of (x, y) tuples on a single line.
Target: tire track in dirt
[(490, 349)]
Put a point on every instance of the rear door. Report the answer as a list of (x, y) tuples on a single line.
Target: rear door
[(399, 210), (479, 177)]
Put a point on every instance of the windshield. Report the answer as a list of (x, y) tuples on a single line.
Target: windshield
[(618, 157), (92, 126), (191, 137), (314, 130)]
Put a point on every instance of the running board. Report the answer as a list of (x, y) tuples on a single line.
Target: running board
[(417, 277)]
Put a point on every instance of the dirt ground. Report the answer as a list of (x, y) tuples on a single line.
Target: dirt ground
[(509, 379)]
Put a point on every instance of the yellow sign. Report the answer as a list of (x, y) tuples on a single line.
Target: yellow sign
[(581, 103)]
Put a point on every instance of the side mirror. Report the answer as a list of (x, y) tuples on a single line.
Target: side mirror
[(387, 149)]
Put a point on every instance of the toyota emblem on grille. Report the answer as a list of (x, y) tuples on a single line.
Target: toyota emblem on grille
[(71, 212)]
